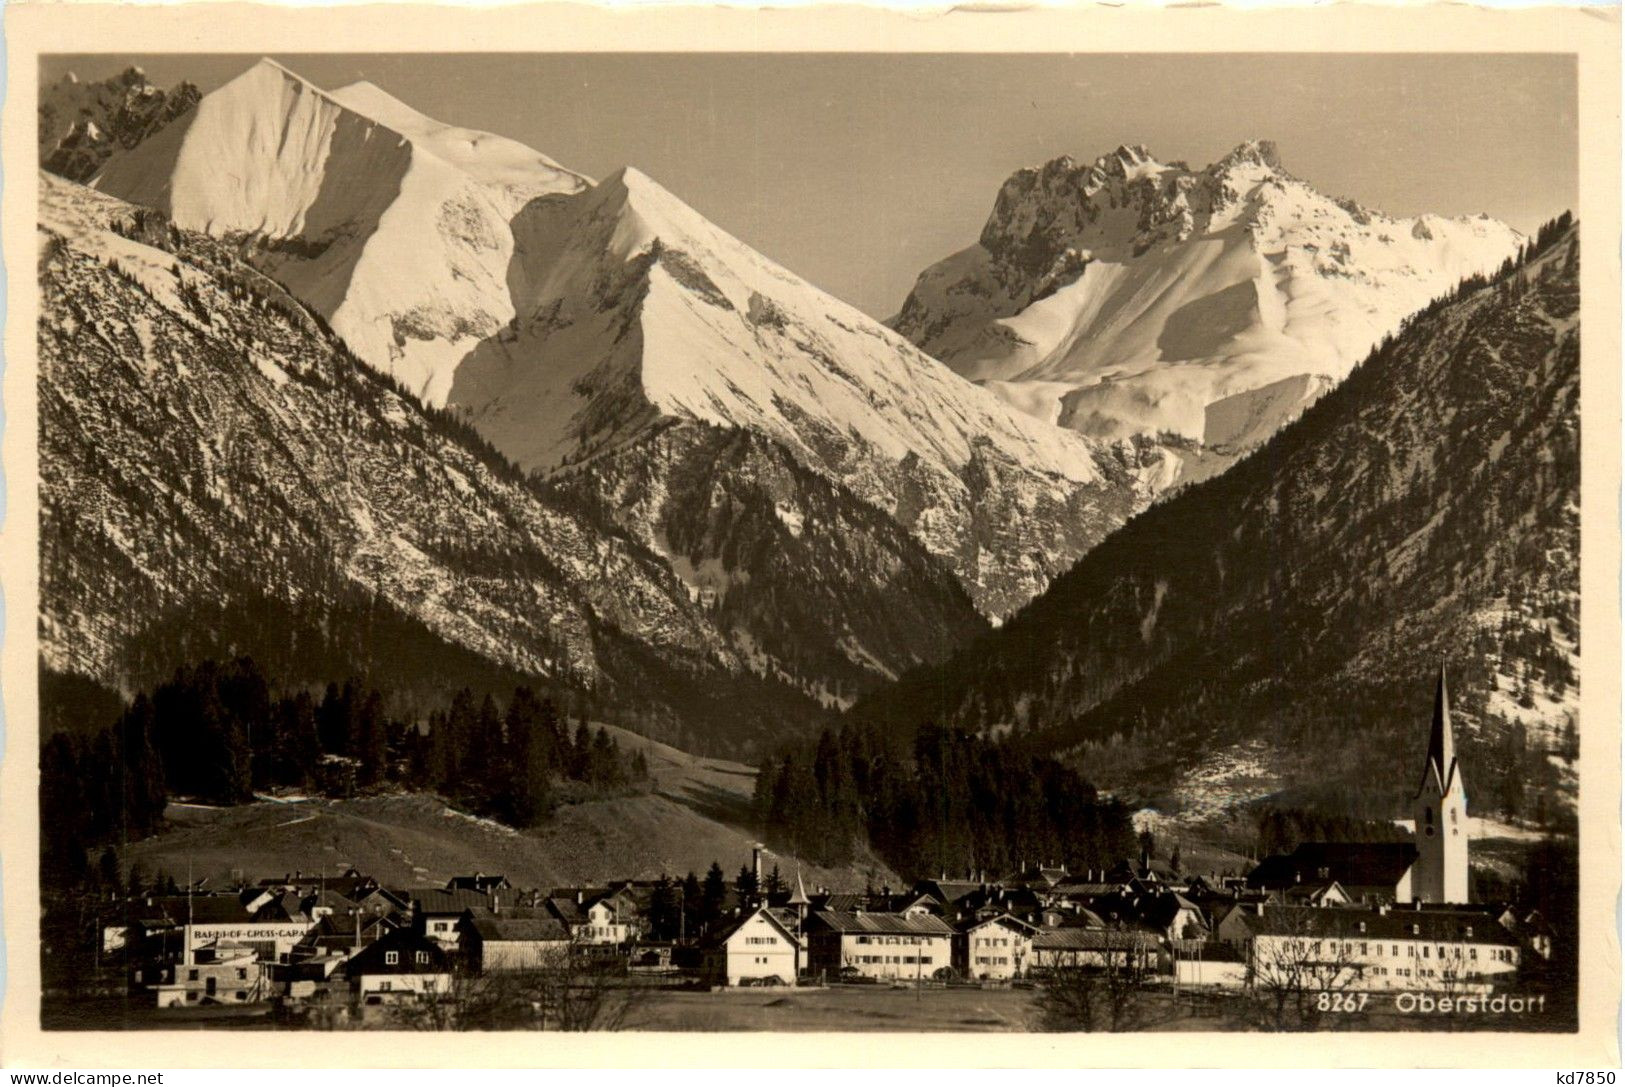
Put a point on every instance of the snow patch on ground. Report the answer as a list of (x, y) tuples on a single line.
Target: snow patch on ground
[(484, 824)]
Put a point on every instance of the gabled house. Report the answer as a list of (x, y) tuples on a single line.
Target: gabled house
[(600, 917), (762, 947), (878, 945), (436, 912), (994, 948), (403, 966), (520, 939), (1171, 916), (480, 883), (343, 934)]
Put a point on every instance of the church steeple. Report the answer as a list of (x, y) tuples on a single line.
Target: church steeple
[(1440, 769), (1440, 812)]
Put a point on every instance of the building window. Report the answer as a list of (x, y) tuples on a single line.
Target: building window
[(422, 958), (392, 958)]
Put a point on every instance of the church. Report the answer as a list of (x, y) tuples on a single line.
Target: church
[(1432, 868)]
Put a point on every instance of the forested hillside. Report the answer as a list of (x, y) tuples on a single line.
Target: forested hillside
[(220, 477), (1285, 619), (224, 733)]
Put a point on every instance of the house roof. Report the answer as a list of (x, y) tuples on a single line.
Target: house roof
[(1353, 864), (784, 924), (565, 909), (479, 881), (373, 959), (504, 928), (438, 900), (1091, 939), (1162, 910), (1444, 926), (893, 923), (223, 909), (1311, 892), (1086, 888), (947, 891), (1005, 919)]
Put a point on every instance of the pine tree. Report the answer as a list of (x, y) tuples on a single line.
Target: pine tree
[(372, 738), (745, 887), (713, 894)]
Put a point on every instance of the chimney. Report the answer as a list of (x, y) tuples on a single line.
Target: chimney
[(756, 862)]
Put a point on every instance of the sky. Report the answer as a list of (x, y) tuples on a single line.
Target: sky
[(857, 171)]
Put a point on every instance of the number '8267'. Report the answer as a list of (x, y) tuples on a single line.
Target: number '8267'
[(1342, 1002)]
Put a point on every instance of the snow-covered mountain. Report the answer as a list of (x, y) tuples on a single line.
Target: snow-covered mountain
[(392, 226), (636, 314), (1278, 628), (572, 320), (1131, 296), (220, 475)]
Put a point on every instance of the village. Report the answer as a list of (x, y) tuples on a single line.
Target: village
[(1327, 917)]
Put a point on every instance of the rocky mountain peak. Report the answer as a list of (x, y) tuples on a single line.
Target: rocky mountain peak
[(81, 125), (1135, 297), (1250, 153)]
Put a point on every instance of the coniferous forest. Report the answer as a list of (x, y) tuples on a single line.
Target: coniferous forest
[(947, 802), (220, 733)]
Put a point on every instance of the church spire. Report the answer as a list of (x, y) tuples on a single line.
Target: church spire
[(800, 897), (1441, 761)]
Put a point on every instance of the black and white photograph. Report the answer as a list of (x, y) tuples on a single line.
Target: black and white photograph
[(722, 541)]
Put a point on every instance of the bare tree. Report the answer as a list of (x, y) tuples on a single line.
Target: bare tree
[(564, 989), (1112, 996), (1296, 975)]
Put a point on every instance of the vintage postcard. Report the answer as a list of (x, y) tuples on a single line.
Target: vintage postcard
[(1003, 530)]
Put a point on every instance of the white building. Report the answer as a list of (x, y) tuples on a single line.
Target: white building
[(761, 947), (886, 946), (997, 948), (403, 966), (1373, 949)]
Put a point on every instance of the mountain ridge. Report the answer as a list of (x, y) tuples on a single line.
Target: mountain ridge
[(1129, 296), (401, 250), (633, 308), (1272, 618), (339, 504)]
